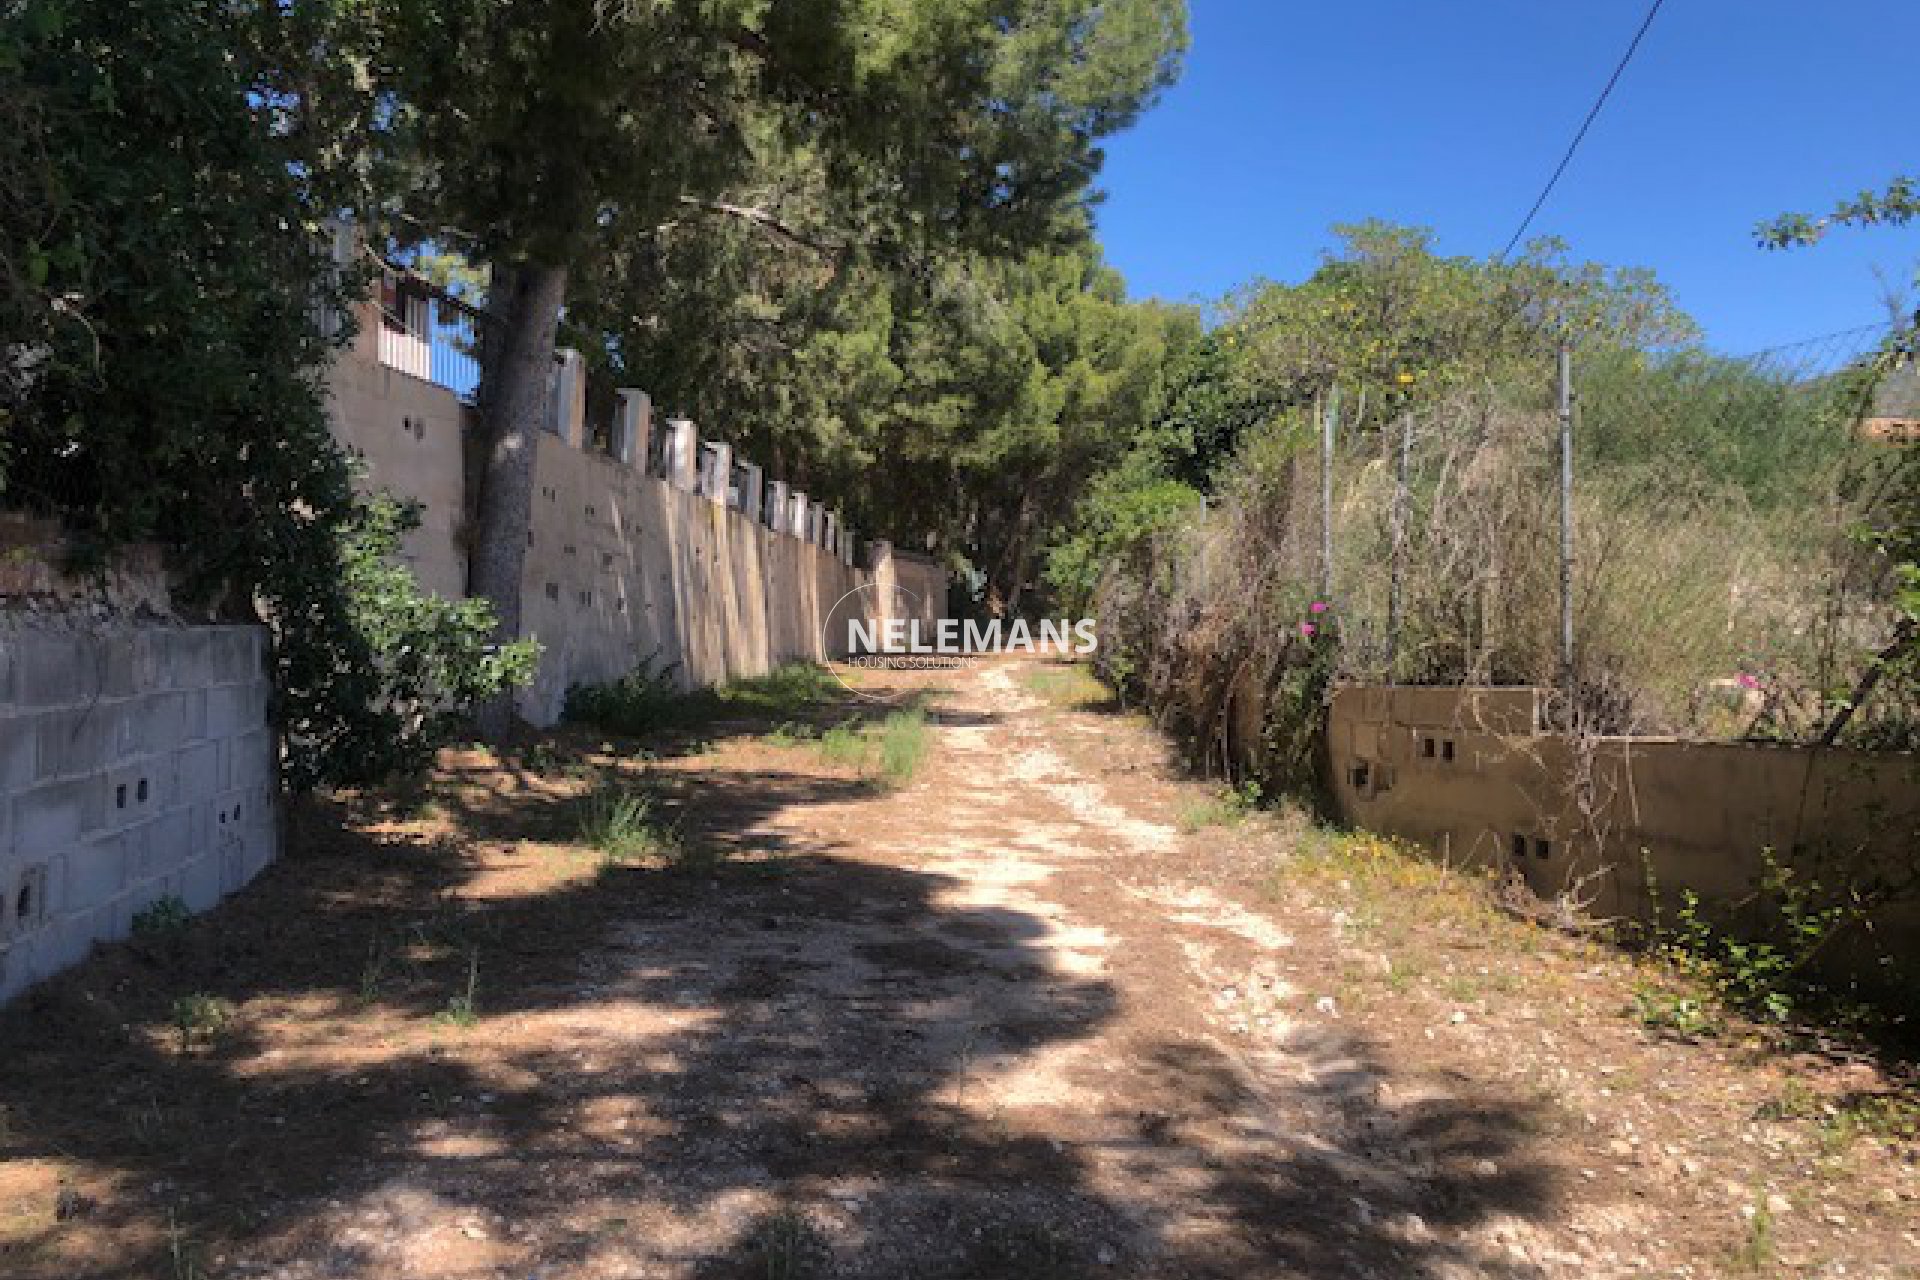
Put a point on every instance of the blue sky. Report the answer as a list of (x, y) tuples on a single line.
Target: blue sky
[(1451, 113)]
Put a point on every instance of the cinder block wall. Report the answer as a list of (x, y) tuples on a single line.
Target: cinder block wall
[(1466, 773), (135, 764), (622, 567)]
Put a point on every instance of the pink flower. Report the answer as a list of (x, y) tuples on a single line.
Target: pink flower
[(1307, 629), (1318, 606), (1746, 681)]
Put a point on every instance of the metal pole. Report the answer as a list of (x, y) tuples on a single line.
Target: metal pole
[(1396, 584), (1327, 422), (1566, 520)]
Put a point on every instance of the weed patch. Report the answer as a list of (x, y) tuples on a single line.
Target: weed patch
[(646, 700), (891, 750), (1226, 808), (200, 1019), (1069, 687)]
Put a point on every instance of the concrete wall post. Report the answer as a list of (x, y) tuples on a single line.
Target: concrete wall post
[(683, 454), (568, 411), (716, 471), (632, 426)]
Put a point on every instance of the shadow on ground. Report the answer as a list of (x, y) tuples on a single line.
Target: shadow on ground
[(779, 1065)]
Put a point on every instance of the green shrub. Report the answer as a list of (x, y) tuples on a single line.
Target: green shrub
[(433, 659), (785, 691), (647, 700), (1763, 976), (1227, 807), (642, 701), (166, 917)]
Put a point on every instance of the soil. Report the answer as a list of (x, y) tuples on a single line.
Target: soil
[(1010, 1019)]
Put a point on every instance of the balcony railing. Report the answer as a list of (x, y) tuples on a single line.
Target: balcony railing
[(430, 334)]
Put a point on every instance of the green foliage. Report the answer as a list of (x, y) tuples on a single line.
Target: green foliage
[(892, 749), (1227, 807), (904, 743), (1763, 975), (433, 657), (1123, 511), (1731, 530), (165, 917), (463, 1008), (788, 689), (640, 702), (165, 382), (1896, 206), (647, 700)]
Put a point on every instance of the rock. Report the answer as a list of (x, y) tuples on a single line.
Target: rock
[(1486, 1169), (1105, 1256), (1326, 1005), (1778, 1204)]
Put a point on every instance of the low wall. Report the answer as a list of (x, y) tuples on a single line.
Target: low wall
[(135, 764), (1465, 773)]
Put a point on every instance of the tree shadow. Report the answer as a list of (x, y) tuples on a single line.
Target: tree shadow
[(787, 1062)]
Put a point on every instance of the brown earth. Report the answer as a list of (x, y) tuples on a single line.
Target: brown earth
[(1045, 1011)]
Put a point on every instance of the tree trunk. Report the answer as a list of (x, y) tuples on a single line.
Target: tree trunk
[(516, 370)]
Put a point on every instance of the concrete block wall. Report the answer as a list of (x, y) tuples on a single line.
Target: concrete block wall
[(623, 566), (1467, 774), (135, 764)]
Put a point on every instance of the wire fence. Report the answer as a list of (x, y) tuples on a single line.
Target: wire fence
[(1678, 553)]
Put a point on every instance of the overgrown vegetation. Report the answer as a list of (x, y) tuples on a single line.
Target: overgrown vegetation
[(1766, 972), (169, 311), (649, 699), (891, 748), (1738, 556), (1228, 806)]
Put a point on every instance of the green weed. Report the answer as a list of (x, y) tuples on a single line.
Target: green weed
[(892, 749), (1072, 687), (463, 1009), (625, 827), (200, 1018)]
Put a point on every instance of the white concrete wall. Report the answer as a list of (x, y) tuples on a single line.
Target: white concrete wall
[(625, 567), (407, 433), (622, 567), (135, 764)]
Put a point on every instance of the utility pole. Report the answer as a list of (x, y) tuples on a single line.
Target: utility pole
[(1327, 423), (1565, 399)]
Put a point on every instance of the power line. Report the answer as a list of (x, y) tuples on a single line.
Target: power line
[(1585, 125)]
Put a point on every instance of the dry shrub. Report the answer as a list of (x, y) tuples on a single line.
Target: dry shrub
[(1684, 593)]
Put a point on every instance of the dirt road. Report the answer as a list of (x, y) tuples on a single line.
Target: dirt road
[(1026, 1016)]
